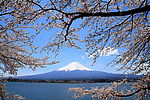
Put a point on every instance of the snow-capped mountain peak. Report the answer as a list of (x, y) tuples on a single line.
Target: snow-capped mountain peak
[(74, 66)]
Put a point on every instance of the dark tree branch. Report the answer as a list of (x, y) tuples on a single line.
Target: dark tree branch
[(110, 14), (142, 3), (35, 3), (8, 13), (53, 4)]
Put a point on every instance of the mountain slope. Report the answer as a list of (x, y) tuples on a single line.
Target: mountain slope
[(76, 71)]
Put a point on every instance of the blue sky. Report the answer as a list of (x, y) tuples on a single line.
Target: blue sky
[(68, 55)]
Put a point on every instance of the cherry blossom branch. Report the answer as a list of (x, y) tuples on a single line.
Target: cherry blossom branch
[(137, 91), (8, 13), (110, 14), (102, 14)]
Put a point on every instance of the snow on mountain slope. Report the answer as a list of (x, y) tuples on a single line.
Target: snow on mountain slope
[(74, 66)]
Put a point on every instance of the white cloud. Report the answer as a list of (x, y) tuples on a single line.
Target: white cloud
[(105, 52), (114, 52)]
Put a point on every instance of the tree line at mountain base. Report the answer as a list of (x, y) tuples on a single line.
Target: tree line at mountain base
[(69, 81)]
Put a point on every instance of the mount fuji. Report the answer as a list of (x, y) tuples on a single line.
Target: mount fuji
[(76, 71)]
